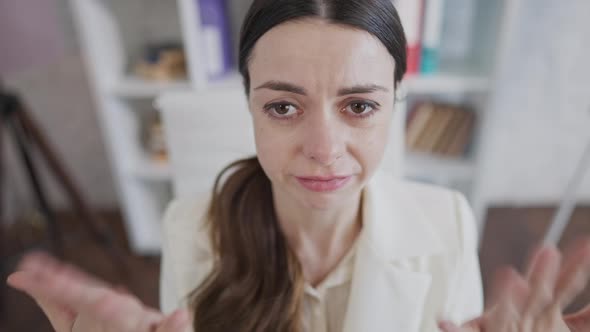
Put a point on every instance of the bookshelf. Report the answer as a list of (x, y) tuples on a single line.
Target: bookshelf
[(113, 33), (134, 87)]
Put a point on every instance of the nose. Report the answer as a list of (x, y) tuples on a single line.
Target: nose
[(324, 140)]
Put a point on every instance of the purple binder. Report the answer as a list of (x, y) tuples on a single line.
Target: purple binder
[(216, 39)]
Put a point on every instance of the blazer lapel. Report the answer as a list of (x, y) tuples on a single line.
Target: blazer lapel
[(388, 291)]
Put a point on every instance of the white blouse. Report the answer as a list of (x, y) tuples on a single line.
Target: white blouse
[(325, 305)]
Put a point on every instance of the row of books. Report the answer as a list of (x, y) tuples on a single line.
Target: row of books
[(440, 129), (423, 22)]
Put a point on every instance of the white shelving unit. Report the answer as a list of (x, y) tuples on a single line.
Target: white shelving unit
[(112, 33)]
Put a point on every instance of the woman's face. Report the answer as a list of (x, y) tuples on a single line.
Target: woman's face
[(321, 99)]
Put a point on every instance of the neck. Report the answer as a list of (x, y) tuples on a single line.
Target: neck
[(319, 237)]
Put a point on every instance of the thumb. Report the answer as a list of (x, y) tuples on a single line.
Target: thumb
[(60, 316), (179, 321), (471, 326), (446, 326)]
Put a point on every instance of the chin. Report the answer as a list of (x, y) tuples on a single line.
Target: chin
[(325, 200), (322, 201)]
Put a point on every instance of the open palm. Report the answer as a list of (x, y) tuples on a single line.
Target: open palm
[(535, 301), (74, 301)]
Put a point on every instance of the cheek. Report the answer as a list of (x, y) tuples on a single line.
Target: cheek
[(370, 144), (271, 147)]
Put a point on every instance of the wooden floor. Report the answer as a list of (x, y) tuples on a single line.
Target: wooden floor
[(509, 236)]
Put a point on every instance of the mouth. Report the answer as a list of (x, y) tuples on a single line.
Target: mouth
[(323, 183)]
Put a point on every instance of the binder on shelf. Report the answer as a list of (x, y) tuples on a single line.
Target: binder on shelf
[(431, 37), (410, 12), (215, 29)]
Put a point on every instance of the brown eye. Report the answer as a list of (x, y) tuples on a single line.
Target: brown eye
[(358, 108), (283, 109), (361, 109)]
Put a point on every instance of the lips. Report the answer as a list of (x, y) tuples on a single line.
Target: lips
[(323, 184)]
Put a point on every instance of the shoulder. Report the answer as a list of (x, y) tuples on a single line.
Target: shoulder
[(441, 211), (447, 212), (186, 247), (184, 223)]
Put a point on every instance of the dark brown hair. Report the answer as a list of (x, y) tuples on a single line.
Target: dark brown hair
[(256, 283)]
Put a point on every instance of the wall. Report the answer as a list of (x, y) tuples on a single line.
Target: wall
[(30, 34), (40, 60), (539, 123)]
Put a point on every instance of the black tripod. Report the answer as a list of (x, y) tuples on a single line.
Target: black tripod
[(29, 139)]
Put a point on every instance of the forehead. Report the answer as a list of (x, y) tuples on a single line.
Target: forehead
[(321, 56)]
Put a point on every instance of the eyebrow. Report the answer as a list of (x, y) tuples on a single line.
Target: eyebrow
[(366, 88), (289, 87)]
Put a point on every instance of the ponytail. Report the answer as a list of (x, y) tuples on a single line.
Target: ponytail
[(256, 283)]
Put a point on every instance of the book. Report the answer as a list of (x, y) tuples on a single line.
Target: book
[(438, 127), (410, 12), (450, 130), (418, 121), (428, 136), (216, 39), (431, 37), (446, 115), (460, 142)]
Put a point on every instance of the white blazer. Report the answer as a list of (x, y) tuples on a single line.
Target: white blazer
[(416, 261)]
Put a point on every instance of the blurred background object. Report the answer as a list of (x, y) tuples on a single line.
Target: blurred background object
[(162, 62), (495, 98)]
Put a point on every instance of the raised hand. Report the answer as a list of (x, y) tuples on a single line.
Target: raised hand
[(535, 301), (74, 301)]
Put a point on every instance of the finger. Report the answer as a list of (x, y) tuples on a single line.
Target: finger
[(60, 299), (45, 269), (510, 294), (475, 324), (445, 326), (61, 317), (21, 280), (43, 264), (59, 287), (471, 326), (508, 286), (122, 290), (179, 321), (542, 275), (574, 274), (43, 277)]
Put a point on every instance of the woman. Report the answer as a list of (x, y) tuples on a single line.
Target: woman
[(309, 236)]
